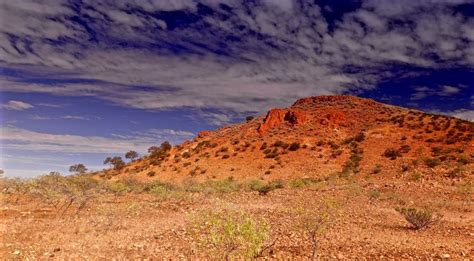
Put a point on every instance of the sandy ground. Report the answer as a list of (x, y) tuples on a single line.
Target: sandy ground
[(133, 226)]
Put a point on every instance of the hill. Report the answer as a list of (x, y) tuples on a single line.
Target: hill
[(317, 137)]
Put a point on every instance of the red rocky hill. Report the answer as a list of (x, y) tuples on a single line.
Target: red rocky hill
[(319, 137)]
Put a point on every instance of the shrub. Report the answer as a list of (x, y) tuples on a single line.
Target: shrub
[(418, 218), (314, 221), (278, 143), (303, 182), (186, 154), (262, 188), (432, 162), (294, 146), (374, 194), (404, 149), (391, 153), (360, 137), (132, 155), (78, 168), (377, 169), (249, 118), (225, 233), (151, 174), (225, 156), (264, 146), (116, 162)]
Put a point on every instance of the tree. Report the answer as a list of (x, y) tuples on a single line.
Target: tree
[(116, 162), (165, 146), (132, 155), (78, 168), (249, 118), (161, 151)]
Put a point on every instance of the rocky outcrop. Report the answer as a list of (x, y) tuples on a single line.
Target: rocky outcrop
[(334, 119), (203, 134), (277, 117)]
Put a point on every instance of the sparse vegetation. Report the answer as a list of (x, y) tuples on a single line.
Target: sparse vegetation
[(227, 233), (391, 153), (116, 162), (78, 168), (419, 218), (131, 155), (294, 146)]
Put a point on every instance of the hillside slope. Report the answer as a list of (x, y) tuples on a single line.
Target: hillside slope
[(318, 137)]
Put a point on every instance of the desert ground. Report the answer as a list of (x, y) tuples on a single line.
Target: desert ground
[(336, 218)]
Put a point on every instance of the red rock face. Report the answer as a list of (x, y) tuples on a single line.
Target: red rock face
[(277, 117), (203, 134)]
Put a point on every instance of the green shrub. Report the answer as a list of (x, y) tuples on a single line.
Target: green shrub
[(418, 218), (264, 189), (226, 233)]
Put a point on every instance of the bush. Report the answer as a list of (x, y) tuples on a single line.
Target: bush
[(294, 146), (391, 153), (249, 118), (360, 137), (116, 162), (78, 168), (314, 221), (226, 233), (132, 155), (418, 218), (377, 169), (278, 143), (432, 162), (151, 174), (262, 188)]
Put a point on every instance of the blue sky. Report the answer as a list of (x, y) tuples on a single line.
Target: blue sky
[(82, 80)]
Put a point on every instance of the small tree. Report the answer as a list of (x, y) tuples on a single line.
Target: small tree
[(78, 168), (116, 162), (131, 155), (313, 221), (249, 118), (161, 151)]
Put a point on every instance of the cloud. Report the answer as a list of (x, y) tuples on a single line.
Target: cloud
[(13, 138), (462, 114), (421, 92), (75, 117), (50, 105), (223, 55), (447, 90), (17, 105)]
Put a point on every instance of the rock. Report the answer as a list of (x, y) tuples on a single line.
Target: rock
[(16, 252), (277, 117), (203, 134), (445, 256)]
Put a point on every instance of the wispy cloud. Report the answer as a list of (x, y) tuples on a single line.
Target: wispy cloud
[(22, 139), (247, 59), (17, 105)]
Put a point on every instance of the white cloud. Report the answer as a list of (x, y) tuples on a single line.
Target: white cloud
[(21, 139), (463, 114), (447, 90), (284, 50), (17, 105)]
